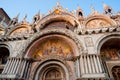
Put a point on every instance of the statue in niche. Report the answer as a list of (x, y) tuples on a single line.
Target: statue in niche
[(113, 54), (60, 51), (69, 55), (45, 52), (53, 49)]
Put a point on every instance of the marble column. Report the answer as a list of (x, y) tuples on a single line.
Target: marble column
[(82, 68), (77, 68)]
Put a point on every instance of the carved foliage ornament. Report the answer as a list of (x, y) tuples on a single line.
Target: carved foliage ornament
[(19, 31), (97, 23)]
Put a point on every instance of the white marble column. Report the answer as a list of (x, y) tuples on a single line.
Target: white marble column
[(96, 64), (89, 64), (28, 73), (6, 66), (23, 67), (99, 65), (82, 68), (15, 68), (13, 65), (85, 64), (26, 70), (78, 68), (10, 66), (20, 60), (92, 64)]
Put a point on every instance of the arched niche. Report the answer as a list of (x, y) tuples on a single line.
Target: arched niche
[(109, 49), (20, 30), (51, 45), (63, 20), (99, 21), (52, 69), (116, 72), (4, 54), (58, 23)]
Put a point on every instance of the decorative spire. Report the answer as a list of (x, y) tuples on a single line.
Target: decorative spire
[(79, 12), (78, 8), (58, 6), (24, 19), (36, 17), (17, 16), (14, 20), (58, 3), (92, 9), (107, 9)]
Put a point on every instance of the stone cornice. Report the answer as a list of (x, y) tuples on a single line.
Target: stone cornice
[(99, 30)]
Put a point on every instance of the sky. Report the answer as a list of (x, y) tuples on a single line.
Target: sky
[(31, 7)]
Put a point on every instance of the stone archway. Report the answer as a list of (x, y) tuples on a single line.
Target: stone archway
[(54, 44), (52, 70), (50, 53), (110, 50), (4, 54), (110, 53)]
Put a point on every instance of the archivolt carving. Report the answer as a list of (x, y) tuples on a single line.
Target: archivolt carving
[(103, 39), (64, 32), (51, 17), (48, 61), (99, 22), (19, 31)]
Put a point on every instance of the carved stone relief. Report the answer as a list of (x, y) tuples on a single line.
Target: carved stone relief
[(20, 31), (17, 48), (88, 41), (97, 23)]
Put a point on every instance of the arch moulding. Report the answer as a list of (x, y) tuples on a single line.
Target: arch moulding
[(103, 39), (42, 34), (39, 68)]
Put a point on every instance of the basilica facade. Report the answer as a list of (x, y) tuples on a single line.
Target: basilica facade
[(61, 45)]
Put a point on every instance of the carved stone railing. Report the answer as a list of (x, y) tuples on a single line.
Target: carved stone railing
[(90, 66), (16, 68)]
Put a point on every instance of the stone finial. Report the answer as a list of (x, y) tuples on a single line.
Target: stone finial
[(107, 9), (24, 19), (78, 8), (58, 6), (92, 9), (79, 12), (14, 20), (58, 3), (36, 17)]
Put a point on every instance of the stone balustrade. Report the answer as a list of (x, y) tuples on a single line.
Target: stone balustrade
[(89, 66), (16, 68)]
